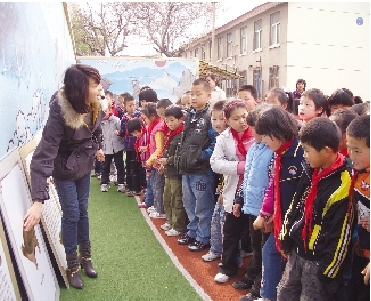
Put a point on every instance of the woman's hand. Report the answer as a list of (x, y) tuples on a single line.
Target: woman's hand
[(366, 272), (258, 223), (100, 155), (365, 223), (236, 210), (32, 216)]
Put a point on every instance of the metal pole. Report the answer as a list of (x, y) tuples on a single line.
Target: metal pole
[(212, 35)]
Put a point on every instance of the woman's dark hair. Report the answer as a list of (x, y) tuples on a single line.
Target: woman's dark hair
[(214, 78), (148, 95), (359, 128), (300, 81), (229, 107), (149, 110), (277, 122), (135, 124), (342, 118), (253, 115), (341, 96), (76, 85), (175, 112), (319, 133)]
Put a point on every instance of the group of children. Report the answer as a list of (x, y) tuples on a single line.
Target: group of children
[(299, 183)]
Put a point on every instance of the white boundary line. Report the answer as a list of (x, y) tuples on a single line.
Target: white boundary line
[(199, 290)]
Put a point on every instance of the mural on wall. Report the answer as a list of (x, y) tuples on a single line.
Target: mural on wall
[(170, 78), (35, 50)]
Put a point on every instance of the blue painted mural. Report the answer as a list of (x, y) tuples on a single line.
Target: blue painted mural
[(35, 50), (170, 78)]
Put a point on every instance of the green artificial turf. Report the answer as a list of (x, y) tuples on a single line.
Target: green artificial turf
[(132, 265)]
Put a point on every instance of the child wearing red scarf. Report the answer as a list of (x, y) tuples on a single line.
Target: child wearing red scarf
[(316, 234), (173, 205), (279, 129), (229, 158)]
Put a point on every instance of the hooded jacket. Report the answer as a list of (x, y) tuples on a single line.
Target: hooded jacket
[(67, 148)]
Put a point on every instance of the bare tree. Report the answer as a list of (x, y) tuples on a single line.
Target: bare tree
[(104, 26), (169, 25)]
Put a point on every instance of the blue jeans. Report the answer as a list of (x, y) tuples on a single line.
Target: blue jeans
[(158, 185), (271, 269), (217, 220), (198, 200), (150, 198), (73, 197)]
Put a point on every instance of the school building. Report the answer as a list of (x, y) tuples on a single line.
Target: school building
[(273, 45)]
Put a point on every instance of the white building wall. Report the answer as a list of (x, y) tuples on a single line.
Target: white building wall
[(327, 48)]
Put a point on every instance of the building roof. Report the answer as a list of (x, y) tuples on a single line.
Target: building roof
[(255, 11)]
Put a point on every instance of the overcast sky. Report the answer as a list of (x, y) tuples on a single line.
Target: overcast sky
[(233, 9)]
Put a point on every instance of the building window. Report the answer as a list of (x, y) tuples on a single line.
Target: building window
[(242, 81), (257, 81), (196, 52), (220, 48), (273, 77), (243, 40), (229, 44), (275, 28), (258, 34), (210, 50), (203, 54)]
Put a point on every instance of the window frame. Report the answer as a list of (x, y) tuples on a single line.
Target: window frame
[(274, 38), (243, 40), (258, 34), (229, 44)]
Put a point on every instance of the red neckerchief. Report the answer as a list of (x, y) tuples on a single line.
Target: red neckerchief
[(277, 222), (136, 144), (170, 136), (151, 127), (241, 139), (309, 200), (109, 115)]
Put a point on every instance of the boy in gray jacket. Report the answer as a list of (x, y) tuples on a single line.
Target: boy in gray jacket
[(113, 148)]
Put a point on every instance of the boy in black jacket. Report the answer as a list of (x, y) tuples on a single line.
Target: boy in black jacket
[(173, 205), (316, 234)]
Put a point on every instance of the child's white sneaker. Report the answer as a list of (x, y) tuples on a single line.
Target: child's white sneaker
[(104, 187), (156, 215), (151, 209), (221, 278), (120, 187), (166, 226), (210, 256), (173, 232)]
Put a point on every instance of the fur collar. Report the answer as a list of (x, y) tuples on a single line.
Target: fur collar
[(71, 117)]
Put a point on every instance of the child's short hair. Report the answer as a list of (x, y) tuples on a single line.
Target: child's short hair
[(342, 118), (218, 106), (135, 124), (319, 100), (109, 93), (163, 103), (204, 83), (144, 88), (175, 112), (250, 89), (341, 97), (149, 110), (233, 105), (253, 115), (127, 97), (277, 122), (358, 99), (148, 95), (359, 128), (281, 95), (319, 133), (361, 108)]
